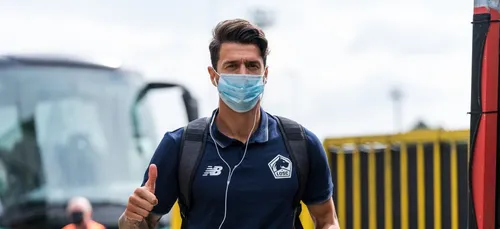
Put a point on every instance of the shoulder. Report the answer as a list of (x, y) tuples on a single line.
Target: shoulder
[(311, 138), (314, 145), (69, 226), (96, 225), (174, 137), (315, 148), (168, 147), (171, 139)]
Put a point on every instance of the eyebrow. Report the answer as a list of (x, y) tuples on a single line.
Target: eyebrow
[(252, 62), (231, 62), (238, 62)]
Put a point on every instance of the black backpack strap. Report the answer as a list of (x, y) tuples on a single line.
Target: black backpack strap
[(192, 149), (295, 140)]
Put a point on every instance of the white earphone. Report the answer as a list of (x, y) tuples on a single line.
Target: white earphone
[(231, 170)]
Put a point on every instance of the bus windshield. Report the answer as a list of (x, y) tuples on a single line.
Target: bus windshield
[(67, 131)]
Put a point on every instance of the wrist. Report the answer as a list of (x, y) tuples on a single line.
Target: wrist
[(125, 223)]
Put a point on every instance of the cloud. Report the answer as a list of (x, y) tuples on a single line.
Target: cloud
[(332, 62), (425, 51), (42, 33)]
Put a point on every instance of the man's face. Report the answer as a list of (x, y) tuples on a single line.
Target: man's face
[(78, 215), (235, 58)]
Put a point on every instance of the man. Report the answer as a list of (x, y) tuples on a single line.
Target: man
[(79, 210), (245, 178)]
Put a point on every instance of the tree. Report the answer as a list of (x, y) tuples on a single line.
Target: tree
[(421, 125)]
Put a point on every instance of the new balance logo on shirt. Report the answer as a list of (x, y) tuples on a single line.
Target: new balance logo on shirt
[(213, 171)]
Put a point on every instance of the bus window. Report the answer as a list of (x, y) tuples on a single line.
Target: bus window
[(10, 131), (70, 133)]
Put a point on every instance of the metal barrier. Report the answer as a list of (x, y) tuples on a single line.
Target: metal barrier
[(416, 180)]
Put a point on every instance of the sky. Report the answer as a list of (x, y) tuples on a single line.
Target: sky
[(331, 67)]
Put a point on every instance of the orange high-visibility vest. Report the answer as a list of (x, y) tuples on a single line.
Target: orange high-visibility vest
[(91, 225)]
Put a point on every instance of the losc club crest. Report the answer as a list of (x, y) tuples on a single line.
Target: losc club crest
[(281, 167)]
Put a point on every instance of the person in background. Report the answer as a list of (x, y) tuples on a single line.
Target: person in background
[(80, 212)]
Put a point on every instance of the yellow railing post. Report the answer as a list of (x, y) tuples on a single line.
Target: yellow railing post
[(422, 177)]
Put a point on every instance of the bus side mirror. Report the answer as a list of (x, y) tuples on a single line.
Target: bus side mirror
[(190, 103)]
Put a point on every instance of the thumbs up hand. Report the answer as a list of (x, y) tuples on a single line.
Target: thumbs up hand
[(142, 201), (151, 182)]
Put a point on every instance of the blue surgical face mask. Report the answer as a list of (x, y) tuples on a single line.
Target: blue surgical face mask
[(240, 92)]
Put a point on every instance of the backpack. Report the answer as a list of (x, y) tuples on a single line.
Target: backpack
[(193, 146)]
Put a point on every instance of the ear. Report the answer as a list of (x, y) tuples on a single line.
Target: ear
[(214, 77), (265, 74)]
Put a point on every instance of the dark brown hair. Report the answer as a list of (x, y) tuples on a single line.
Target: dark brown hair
[(237, 31)]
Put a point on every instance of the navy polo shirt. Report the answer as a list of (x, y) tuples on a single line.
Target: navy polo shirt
[(258, 195)]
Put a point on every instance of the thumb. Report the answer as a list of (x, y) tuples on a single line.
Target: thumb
[(152, 175)]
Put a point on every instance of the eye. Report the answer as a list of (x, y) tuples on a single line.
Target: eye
[(231, 66), (253, 66)]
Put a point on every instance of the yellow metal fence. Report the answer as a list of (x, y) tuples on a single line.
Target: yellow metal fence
[(416, 180)]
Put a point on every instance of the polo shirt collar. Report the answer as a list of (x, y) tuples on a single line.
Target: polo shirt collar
[(261, 135)]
